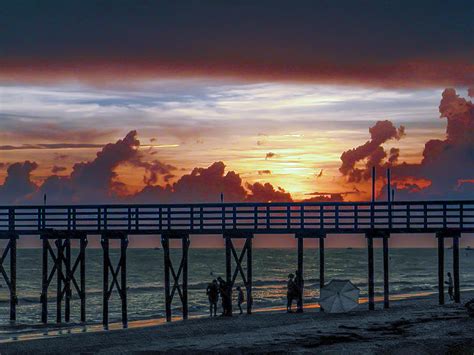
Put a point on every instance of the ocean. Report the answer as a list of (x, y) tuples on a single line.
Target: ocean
[(412, 271)]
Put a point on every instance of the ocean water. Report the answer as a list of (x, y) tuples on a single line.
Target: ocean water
[(411, 271)]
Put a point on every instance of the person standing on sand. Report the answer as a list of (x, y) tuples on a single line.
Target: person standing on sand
[(290, 292), (450, 286), (225, 290), (240, 298), (213, 296), (222, 292), (299, 286)]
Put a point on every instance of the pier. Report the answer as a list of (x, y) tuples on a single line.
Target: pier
[(57, 226)]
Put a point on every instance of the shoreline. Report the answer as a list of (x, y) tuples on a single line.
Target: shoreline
[(30, 332), (415, 325)]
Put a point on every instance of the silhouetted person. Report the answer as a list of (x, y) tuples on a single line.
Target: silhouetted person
[(225, 290), (222, 293), (213, 296), (450, 286), (291, 292), (299, 286), (240, 298)]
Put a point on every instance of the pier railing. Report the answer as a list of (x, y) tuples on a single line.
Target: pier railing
[(209, 218)]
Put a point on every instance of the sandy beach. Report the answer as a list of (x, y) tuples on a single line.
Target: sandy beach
[(416, 325)]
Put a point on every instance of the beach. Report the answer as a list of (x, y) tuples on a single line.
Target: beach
[(414, 325)]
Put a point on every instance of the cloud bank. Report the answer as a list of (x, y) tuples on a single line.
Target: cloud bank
[(370, 43), (446, 169)]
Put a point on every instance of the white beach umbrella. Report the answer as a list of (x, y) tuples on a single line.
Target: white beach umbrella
[(339, 296)]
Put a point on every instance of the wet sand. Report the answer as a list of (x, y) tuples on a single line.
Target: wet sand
[(410, 326)]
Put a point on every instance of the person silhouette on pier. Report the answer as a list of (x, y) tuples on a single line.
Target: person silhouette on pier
[(299, 282), (213, 296), (240, 298), (450, 286)]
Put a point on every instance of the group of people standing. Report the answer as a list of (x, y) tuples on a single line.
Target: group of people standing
[(223, 289), (219, 288)]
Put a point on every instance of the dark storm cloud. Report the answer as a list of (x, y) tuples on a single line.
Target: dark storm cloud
[(447, 167), (371, 152), (96, 181), (398, 43), (18, 184)]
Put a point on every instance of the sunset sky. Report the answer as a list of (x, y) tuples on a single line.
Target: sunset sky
[(275, 92)]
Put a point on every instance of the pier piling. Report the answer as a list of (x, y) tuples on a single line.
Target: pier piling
[(108, 269), (455, 234), (65, 278), (63, 224), (440, 269), (370, 259), (44, 281), (300, 271), (457, 293), (10, 279), (321, 262), (231, 253), (386, 283), (180, 276)]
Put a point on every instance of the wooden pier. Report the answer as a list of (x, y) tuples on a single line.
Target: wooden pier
[(58, 225)]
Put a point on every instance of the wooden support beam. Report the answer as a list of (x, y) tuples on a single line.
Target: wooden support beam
[(457, 293), (44, 281), (370, 252), (321, 262), (13, 296), (440, 269), (180, 278), (386, 284), (108, 268), (64, 269), (249, 275), (105, 280), (82, 271), (123, 279), (167, 262), (67, 286), (228, 258), (184, 256), (299, 274), (59, 286), (246, 275), (10, 278)]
